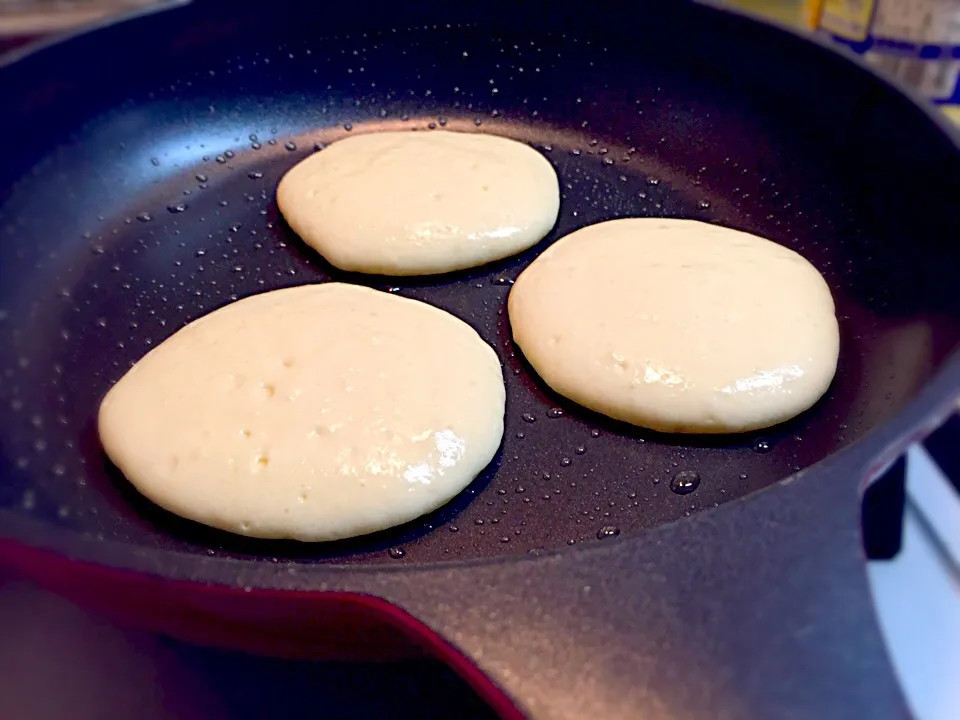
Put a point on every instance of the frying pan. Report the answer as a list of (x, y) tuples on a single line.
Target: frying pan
[(570, 580)]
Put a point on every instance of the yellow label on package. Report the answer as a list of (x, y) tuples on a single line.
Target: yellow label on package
[(849, 19)]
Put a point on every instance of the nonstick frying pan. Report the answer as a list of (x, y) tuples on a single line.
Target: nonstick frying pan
[(576, 577)]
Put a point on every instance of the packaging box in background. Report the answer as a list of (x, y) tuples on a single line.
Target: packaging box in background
[(918, 41), (799, 13)]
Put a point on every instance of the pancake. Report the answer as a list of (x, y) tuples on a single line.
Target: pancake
[(677, 325), (310, 413), (419, 203)]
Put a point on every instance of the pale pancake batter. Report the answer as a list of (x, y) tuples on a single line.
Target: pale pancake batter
[(677, 325), (315, 413), (417, 203)]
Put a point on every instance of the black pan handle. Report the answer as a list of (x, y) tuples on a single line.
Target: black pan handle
[(756, 609)]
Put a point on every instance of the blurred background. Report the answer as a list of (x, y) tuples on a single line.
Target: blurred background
[(27, 18)]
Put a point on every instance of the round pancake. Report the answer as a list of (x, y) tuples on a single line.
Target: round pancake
[(677, 325), (418, 203), (310, 413)]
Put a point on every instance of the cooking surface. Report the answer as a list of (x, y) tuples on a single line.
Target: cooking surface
[(159, 207)]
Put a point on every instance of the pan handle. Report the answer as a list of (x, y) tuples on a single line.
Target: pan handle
[(756, 609)]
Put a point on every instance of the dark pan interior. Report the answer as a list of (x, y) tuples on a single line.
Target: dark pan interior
[(131, 208)]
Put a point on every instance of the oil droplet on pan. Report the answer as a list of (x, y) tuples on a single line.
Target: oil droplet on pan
[(685, 482)]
